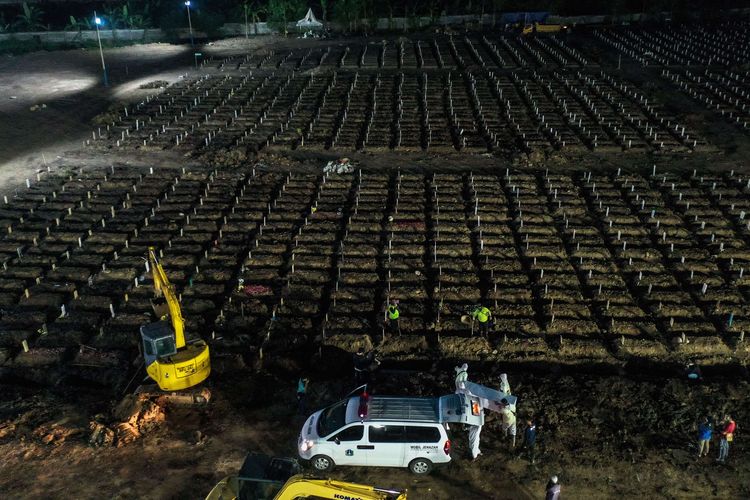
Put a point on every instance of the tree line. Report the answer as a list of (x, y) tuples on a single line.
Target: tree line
[(209, 15)]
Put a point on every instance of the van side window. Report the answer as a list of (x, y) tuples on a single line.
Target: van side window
[(416, 434), (387, 434), (353, 433)]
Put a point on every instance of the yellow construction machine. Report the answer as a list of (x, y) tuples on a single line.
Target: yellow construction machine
[(265, 478), (543, 28), (171, 362)]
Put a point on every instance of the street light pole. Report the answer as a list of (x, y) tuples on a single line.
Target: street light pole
[(97, 22), (190, 23)]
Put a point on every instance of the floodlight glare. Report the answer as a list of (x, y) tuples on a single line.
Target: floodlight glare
[(187, 2), (98, 20)]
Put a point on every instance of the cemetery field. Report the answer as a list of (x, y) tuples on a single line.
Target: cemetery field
[(590, 189)]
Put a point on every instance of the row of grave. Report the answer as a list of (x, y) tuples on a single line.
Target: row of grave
[(725, 44), (722, 92), (449, 111), (439, 51), (271, 263)]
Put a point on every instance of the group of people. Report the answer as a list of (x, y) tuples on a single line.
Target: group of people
[(726, 437), (507, 418), (507, 425), (480, 316)]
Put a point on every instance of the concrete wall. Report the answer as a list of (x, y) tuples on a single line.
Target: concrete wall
[(77, 36), (238, 29)]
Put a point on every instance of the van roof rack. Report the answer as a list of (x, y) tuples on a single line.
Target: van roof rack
[(401, 408)]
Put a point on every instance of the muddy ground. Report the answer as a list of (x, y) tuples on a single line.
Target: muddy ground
[(604, 435)]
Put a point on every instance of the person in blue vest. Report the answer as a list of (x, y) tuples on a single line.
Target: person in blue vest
[(392, 316), (693, 373), (705, 432), (302, 384)]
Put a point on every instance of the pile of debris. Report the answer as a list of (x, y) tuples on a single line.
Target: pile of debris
[(137, 414), (340, 166)]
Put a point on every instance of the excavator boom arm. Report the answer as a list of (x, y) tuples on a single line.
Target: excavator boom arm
[(163, 287)]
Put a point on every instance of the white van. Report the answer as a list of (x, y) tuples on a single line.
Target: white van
[(386, 431)]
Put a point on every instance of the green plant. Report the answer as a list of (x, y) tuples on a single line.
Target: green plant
[(347, 12), (252, 10), (208, 22), (4, 26), (324, 9), (78, 24), (282, 12), (30, 19), (132, 20), (113, 16)]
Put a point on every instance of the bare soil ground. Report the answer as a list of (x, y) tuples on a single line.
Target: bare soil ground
[(604, 436)]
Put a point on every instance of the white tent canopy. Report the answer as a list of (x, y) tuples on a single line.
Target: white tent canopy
[(309, 21)]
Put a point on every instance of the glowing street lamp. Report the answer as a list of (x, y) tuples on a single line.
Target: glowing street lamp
[(190, 23), (97, 22)]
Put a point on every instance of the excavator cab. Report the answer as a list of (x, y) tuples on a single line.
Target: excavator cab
[(158, 341), (261, 478), (275, 478)]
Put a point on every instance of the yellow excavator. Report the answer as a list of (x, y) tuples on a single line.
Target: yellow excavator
[(265, 478), (171, 362), (543, 28)]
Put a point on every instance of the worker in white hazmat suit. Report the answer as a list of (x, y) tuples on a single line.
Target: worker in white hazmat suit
[(504, 384), (474, 432), (508, 420), (462, 375)]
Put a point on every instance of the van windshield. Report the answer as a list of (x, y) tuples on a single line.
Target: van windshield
[(332, 418)]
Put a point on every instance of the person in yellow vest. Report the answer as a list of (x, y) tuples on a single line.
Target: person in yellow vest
[(483, 316), (392, 315)]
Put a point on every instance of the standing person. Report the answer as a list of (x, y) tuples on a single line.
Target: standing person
[(474, 432), (302, 384), (504, 385), (362, 363), (462, 375), (693, 373), (705, 430), (727, 436), (364, 400), (508, 420), (553, 489), (393, 314), (482, 315), (529, 440)]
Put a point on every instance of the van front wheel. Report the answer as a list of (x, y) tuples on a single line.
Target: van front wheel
[(322, 463), (420, 466)]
